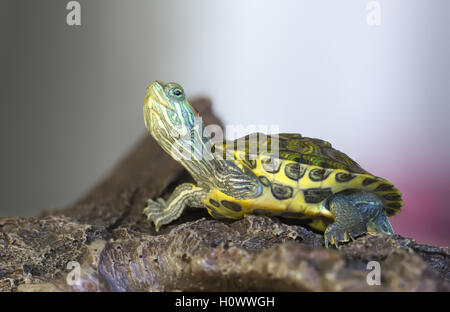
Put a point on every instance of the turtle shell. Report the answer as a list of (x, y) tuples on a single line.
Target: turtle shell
[(287, 164)]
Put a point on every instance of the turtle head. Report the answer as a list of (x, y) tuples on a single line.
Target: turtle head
[(178, 128), (167, 113)]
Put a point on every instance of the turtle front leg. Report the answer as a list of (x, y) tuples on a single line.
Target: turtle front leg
[(161, 212), (355, 213)]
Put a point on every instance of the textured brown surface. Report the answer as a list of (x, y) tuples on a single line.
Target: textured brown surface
[(117, 249)]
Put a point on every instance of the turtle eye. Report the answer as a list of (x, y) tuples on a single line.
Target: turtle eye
[(177, 92)]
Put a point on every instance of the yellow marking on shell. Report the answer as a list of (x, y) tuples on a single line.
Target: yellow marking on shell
[(330, 182), (319, 224), (298, 204), (265, 202), (354, 183), (321, 217), (317, 211), (357, 183), (282, 178)]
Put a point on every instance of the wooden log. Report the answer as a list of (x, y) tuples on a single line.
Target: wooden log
[(108, 237)]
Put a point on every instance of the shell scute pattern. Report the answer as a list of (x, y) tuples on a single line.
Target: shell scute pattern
[(303, 172)]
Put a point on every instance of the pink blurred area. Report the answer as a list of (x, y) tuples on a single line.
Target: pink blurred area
[(426, 213)]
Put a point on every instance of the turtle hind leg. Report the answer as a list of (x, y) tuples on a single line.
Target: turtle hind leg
[(162, 212), (356, 213)]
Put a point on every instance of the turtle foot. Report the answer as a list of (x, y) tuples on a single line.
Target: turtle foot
[(155, 211), (356, 213), (336, 234)]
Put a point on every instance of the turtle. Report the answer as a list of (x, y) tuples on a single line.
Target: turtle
[(283, 175)]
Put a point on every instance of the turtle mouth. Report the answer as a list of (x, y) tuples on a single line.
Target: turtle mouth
[(155, 95)]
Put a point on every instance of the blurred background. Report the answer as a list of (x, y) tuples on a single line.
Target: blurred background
[(71, 96)]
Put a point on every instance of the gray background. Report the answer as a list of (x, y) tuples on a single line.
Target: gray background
[(71, 97)]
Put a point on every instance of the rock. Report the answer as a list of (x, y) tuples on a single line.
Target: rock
[(103, 243)]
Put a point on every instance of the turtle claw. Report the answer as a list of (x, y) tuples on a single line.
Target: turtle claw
[(334, 236), (331, 240), (351, 237), (154, 211)]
